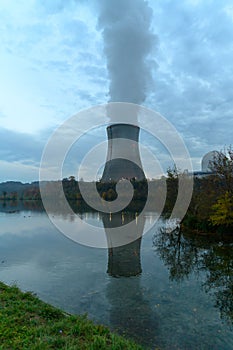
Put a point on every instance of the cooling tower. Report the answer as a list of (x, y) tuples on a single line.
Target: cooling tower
[(123, 143)]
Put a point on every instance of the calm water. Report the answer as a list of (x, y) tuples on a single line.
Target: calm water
[(163, 290)]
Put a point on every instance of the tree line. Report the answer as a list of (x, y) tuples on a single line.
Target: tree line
[(210, 210)]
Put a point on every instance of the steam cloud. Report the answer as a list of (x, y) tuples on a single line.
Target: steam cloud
[(128, 40)]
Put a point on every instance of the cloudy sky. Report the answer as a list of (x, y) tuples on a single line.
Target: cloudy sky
[(55, 60)]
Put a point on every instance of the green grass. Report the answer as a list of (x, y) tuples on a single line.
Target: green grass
[(28, 323)]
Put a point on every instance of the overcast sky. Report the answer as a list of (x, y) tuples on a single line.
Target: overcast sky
[(54, 62)]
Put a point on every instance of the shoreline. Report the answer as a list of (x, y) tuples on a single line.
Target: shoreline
[(29, 323)]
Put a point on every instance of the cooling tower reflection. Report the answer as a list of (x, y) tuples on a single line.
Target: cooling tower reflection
[(124, 260)]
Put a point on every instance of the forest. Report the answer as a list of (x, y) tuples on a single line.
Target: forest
[(210, 209)]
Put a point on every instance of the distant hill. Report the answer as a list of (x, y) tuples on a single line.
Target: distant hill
[(9, 187)]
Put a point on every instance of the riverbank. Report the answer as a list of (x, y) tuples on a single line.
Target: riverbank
[(205, 230), (29, 323)]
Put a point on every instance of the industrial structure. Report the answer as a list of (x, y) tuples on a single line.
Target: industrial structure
[(206, 165), (123, 157)]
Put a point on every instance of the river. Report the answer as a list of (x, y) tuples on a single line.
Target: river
[(164, 289)]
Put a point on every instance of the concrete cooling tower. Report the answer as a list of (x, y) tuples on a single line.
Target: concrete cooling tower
[(123, 157)]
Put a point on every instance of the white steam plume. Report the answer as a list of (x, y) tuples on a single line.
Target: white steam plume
[(128, 40)]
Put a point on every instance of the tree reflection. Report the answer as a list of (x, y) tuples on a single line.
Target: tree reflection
[(219, 280), (180, 256), (183, 255)]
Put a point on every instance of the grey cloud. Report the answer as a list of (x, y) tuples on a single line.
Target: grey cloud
[(199, 36), (20, 147), (193, 83)]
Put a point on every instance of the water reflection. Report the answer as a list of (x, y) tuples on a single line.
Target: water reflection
[(179, 256), (219, 280), (130, 310), (10, 206), (124, 260), (131, 314), (184, 255), (160, 289)]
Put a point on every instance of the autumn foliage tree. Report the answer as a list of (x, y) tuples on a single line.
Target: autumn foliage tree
[(211, 207), (222, 210)]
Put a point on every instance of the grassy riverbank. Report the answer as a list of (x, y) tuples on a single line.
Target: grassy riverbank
[(28, 323)]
